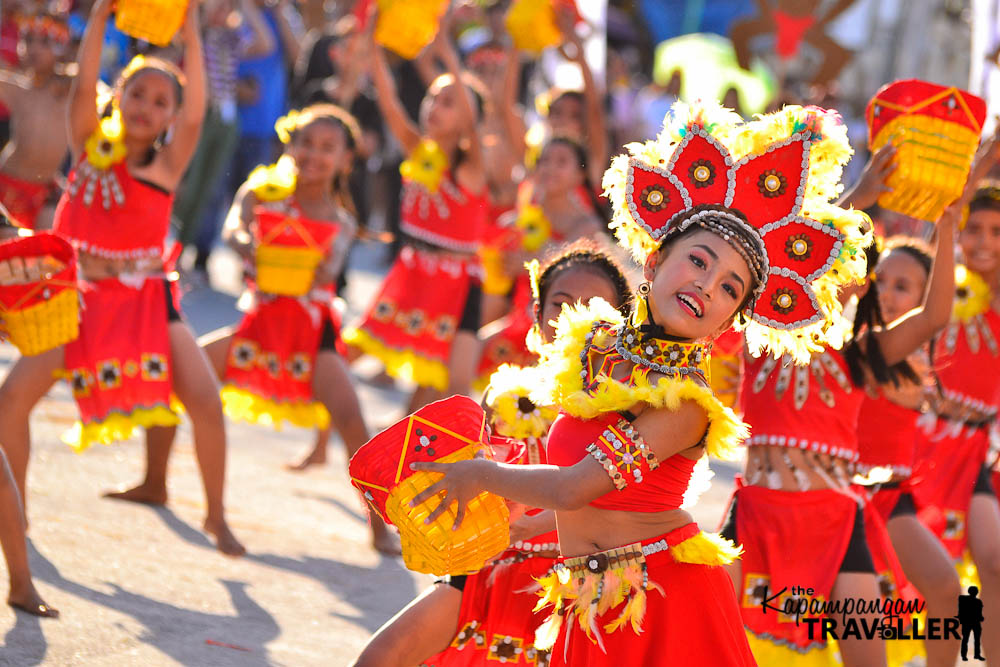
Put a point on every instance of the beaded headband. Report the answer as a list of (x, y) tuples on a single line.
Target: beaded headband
[(767, 185)]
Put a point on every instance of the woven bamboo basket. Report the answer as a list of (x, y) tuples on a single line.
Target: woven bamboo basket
[(936, 132), (39, 304), (289, 249), (156, 21), (407, 26), (446, 431)]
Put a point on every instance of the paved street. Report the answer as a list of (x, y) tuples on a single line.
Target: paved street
[(143, 586)]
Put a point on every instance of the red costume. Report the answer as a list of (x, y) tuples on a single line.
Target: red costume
[(814, 408), (119, 367), (269, 369), (412, 322), (952, 456), (23, 199), (887, 436)]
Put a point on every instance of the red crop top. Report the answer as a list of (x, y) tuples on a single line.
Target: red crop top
[(811, 407), (451, 218), (113, 214), (660, 490), (887, 434), (967, 358)]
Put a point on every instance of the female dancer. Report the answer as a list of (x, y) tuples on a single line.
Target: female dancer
[(887, 434), (423, 323), (800, 462), (133, 349), (637, 410), (953, 490), (563, 208), (461, 618)]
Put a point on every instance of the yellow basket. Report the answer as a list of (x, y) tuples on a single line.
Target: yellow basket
[(407, 26), (45, 325), (156, 21), (286, 270), (933, 159), (532, 25), (436, 548)]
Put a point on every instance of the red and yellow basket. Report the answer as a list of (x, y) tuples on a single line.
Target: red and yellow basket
[(39, 301), (156, 21), (446, 431), (936, 132), (288, 251)]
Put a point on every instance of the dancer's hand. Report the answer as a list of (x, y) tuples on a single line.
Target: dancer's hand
[(872, 183), (461, 483)]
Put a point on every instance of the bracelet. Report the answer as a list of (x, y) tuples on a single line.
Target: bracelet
[(622, 452)]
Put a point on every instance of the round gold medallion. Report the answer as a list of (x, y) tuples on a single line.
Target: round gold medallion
[(800, 247), (772, 183), (702, 173), (785, 301), (655, 198)]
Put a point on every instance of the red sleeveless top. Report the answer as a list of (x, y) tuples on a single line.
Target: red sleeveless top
[(451, 218), (887, 434), (124, 218), (810, 407), (967, 359), (662, 489)]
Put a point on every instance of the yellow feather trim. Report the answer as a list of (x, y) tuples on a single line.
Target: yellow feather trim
[(972, 295), (117, 426), (407, 365), (274, 182), (561, 383), (514, 414), (706, 549), (244, 405)]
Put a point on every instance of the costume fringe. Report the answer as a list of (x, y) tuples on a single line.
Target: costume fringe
[(117, 426), (590, 596), (244, 405), (401, 364), (561, 383)]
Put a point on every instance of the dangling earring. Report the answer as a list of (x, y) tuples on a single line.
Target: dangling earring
[(641, 312)]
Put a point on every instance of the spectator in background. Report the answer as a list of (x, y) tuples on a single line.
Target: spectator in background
[(262, 90), (118, 47), (234, 29)]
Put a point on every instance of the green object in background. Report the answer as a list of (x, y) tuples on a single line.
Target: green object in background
[(707, 63)]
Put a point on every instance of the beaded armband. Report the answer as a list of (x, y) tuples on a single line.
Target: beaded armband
[(623, 454)]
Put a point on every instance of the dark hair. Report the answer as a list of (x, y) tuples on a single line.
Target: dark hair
[(556, 95), (870, 357), (479, 94), (676, 234), (141, 65), (580, 152), (583, 254), (987, 197), (338, 117)]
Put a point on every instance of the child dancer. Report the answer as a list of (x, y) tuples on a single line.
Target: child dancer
[(423, 323), (563, 209), (462, 617), (953, 490), (887, 435), (281, 362), (30, 163), (133, 349)]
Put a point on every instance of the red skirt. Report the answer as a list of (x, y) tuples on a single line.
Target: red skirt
[(785, 546), (269, 369), (942, 484), (508, 345), (412, 322), (24, 200), (119, 367), (695, 621), (497, 617)]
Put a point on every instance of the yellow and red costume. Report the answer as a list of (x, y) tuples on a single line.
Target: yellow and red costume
[(269, 369), (952, 453), (434, 282), (119, 366)]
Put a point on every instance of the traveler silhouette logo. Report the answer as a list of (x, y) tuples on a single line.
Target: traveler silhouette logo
[(970, 615)]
